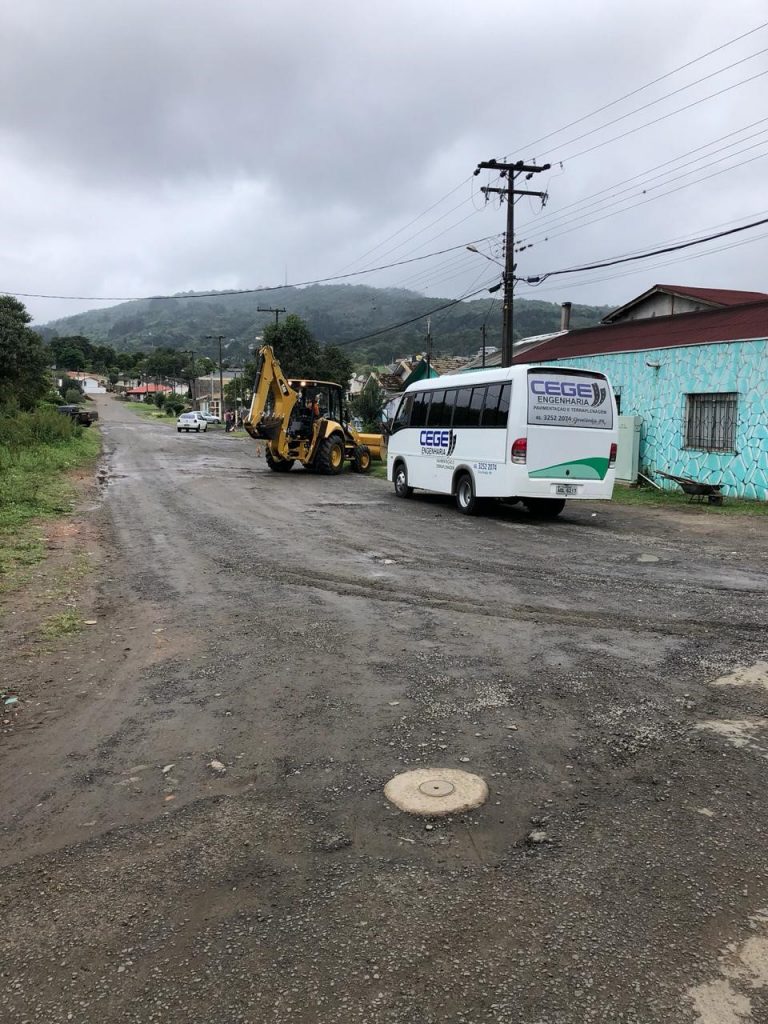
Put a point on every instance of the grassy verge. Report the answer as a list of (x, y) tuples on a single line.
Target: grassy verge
[(151, 412), (652, 498), (33, 486), (379, 470)]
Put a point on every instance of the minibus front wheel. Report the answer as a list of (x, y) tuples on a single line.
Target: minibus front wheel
[(400, 477)]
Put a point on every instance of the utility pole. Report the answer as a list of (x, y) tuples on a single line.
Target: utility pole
[(429, 347), (482, 331), (271, 309), (220, 337), (510, 172), (192, 378)]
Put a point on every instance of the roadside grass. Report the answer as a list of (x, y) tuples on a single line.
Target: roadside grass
[(379, 470), (652, 498), (150, 412), (64, 624), (34, 462)]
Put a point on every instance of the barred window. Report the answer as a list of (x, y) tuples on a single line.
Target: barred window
[(711, 421)]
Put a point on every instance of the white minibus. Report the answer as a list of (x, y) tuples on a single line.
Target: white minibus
[(536, 434)]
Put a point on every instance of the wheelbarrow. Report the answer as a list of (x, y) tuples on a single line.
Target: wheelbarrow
[(695, 489)]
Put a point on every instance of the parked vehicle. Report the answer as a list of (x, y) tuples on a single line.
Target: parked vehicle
[(536, 434), (191, 421), (209, 417), (305, 421), (85, 417)]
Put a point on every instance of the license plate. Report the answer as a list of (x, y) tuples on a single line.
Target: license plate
[(566, 489)]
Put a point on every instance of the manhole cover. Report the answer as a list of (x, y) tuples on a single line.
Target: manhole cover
[(437, 787), (436, 791)]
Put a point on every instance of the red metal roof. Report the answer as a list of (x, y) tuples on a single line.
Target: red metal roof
[(706, 327), (144, 389), (721, 296), (710, 296)]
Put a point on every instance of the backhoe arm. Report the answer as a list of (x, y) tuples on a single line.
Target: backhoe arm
[(272, 403)]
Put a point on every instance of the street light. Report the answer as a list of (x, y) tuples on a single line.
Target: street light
[(473, 248)]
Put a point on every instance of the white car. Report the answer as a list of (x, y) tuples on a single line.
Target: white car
[(191, 421), (209, 417)]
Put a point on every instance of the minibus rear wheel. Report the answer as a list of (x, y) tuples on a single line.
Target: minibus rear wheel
[(545, 508), (466, 499)]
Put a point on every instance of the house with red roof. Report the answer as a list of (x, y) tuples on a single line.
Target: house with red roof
[(140, 391), (692, 363)]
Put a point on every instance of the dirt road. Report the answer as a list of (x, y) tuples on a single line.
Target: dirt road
[(317, 636)]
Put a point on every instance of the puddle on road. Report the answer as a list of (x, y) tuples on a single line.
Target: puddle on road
[(743, 969), (340, 503), (742, 733), (750, 675)]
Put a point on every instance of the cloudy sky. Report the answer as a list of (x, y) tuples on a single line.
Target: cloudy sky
[(150, 146)]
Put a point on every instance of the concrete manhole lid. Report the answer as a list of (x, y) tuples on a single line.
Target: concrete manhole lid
[(436, 791)]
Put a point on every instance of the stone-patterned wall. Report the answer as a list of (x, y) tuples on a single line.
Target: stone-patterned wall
[(658, 395)]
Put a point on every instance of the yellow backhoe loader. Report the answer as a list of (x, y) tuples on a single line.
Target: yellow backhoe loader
[(305, 421)]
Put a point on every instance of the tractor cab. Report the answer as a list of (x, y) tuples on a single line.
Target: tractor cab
[(317, 400)]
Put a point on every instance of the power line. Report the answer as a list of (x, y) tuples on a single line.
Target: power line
[(660, 99), (642, 88), (405, 227), (552, 134), (245, 291), (631, 131), (671, 113), (413, 319), (644, 188), (596, 198), (654, 266), (646, 255), (567, 230)]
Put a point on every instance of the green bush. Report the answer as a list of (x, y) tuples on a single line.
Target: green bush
[(68, 385), (174, 405), (72, 396), (19, 430)]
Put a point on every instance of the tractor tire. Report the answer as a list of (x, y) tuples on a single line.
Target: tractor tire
[(361, 459), (330, 457), (278, 465)]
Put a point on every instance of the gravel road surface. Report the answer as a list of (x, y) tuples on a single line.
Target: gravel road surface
[(193, 826)]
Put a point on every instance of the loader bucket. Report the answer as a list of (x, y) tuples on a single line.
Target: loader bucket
[(376, 444)]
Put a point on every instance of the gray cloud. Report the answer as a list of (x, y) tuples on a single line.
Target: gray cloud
[(148, 147)]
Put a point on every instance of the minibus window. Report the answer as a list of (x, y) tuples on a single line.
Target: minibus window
[(420, 409), (488, 418), (436, 417), (450, 401), (476, 407), (503, 412), (461, 411), (403, 413)]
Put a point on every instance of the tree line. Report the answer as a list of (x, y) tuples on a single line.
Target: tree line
[(342, 315), (28, 363)]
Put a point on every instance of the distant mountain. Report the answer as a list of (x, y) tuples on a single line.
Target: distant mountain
[(335, 314)]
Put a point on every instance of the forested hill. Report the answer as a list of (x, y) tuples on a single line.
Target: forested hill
[(335, 314)]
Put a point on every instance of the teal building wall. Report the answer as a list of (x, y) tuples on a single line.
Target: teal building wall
[(659, 396)]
